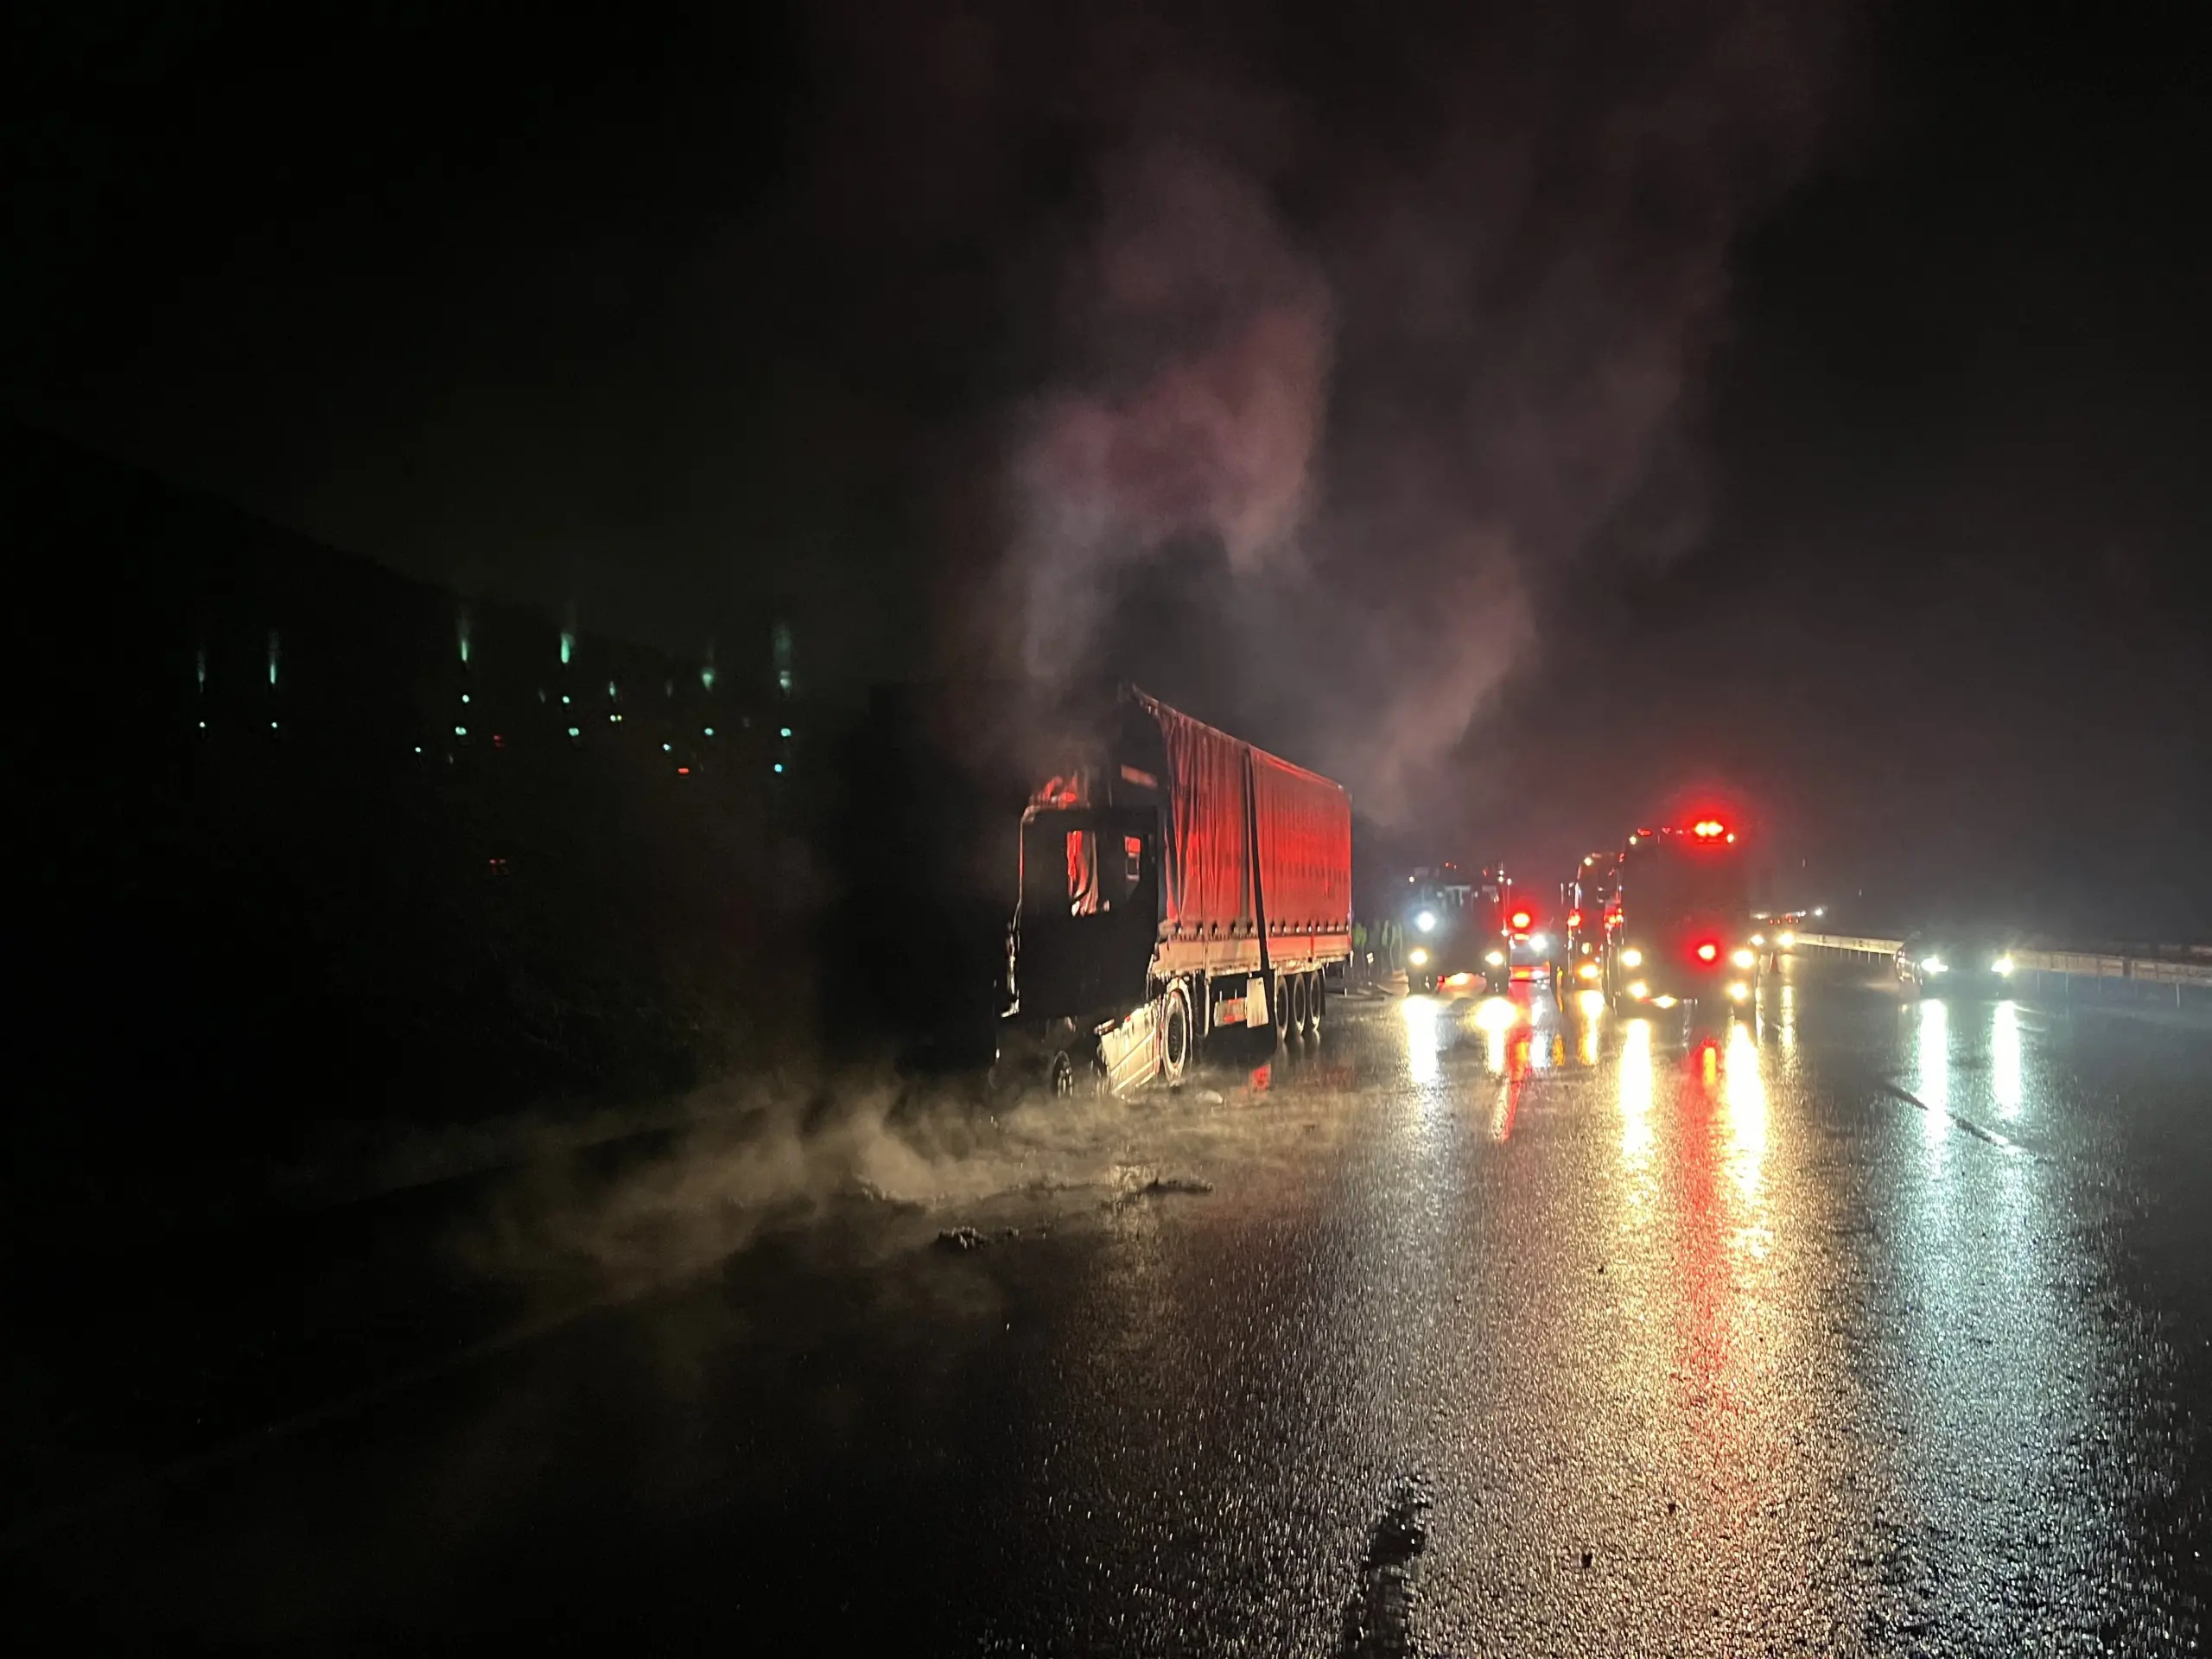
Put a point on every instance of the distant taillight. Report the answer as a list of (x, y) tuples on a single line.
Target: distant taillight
[(1521, 918)]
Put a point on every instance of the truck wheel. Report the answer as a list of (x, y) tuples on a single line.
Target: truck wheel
[(1285, 1010), (1301, 1004), (1175, 1035), (1317, 1001), (1059, 1074)]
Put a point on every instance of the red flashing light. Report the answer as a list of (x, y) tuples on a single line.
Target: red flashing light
[(1574, 919), (1709, 951), (683, 772), (1521, 918), (1710, 830)]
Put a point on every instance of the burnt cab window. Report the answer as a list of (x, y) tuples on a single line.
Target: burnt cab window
[(1083, 898), (1079, 865)]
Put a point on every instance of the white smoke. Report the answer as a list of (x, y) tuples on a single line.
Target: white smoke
[(1211, 334), (1409, 374)]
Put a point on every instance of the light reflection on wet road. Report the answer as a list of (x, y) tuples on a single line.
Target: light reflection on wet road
[(1683, 1340)]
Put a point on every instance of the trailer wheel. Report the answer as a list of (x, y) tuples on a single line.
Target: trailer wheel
[(1317, 1001), (1059, 1073), (1175, 1035), (1285, 1009)]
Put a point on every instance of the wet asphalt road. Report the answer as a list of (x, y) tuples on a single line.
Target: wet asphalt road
[(1872, 1327)]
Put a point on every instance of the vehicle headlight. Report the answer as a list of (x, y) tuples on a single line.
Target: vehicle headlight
[(1496, 958), (2003, 964), (1759, 938), (1631, 957), (1744, 958), (1639, 990), (1933, 965), (1588, 971), (1788, 941), (1739, 990), (1418, 957), (1538, 942), (1426, 921)]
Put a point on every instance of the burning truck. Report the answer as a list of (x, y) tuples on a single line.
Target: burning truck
[(1095, 886)]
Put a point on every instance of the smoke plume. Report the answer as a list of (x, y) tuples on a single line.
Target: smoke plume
[(1367, 376), (1208, 335)]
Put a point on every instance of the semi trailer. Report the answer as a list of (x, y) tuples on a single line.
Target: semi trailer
[(1153, 883)]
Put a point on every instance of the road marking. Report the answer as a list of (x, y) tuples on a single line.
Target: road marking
[(1966, 1123)]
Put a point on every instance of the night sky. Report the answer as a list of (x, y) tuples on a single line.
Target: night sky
[(1539, 417)]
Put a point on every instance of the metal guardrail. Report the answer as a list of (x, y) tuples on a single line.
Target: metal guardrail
[(1846, 942), (2077, 964)]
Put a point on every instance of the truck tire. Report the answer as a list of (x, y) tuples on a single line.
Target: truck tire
[(1281, 1008), (1301, 1004), (1175, 1029), (1059, 1075), (1318, 1003)]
